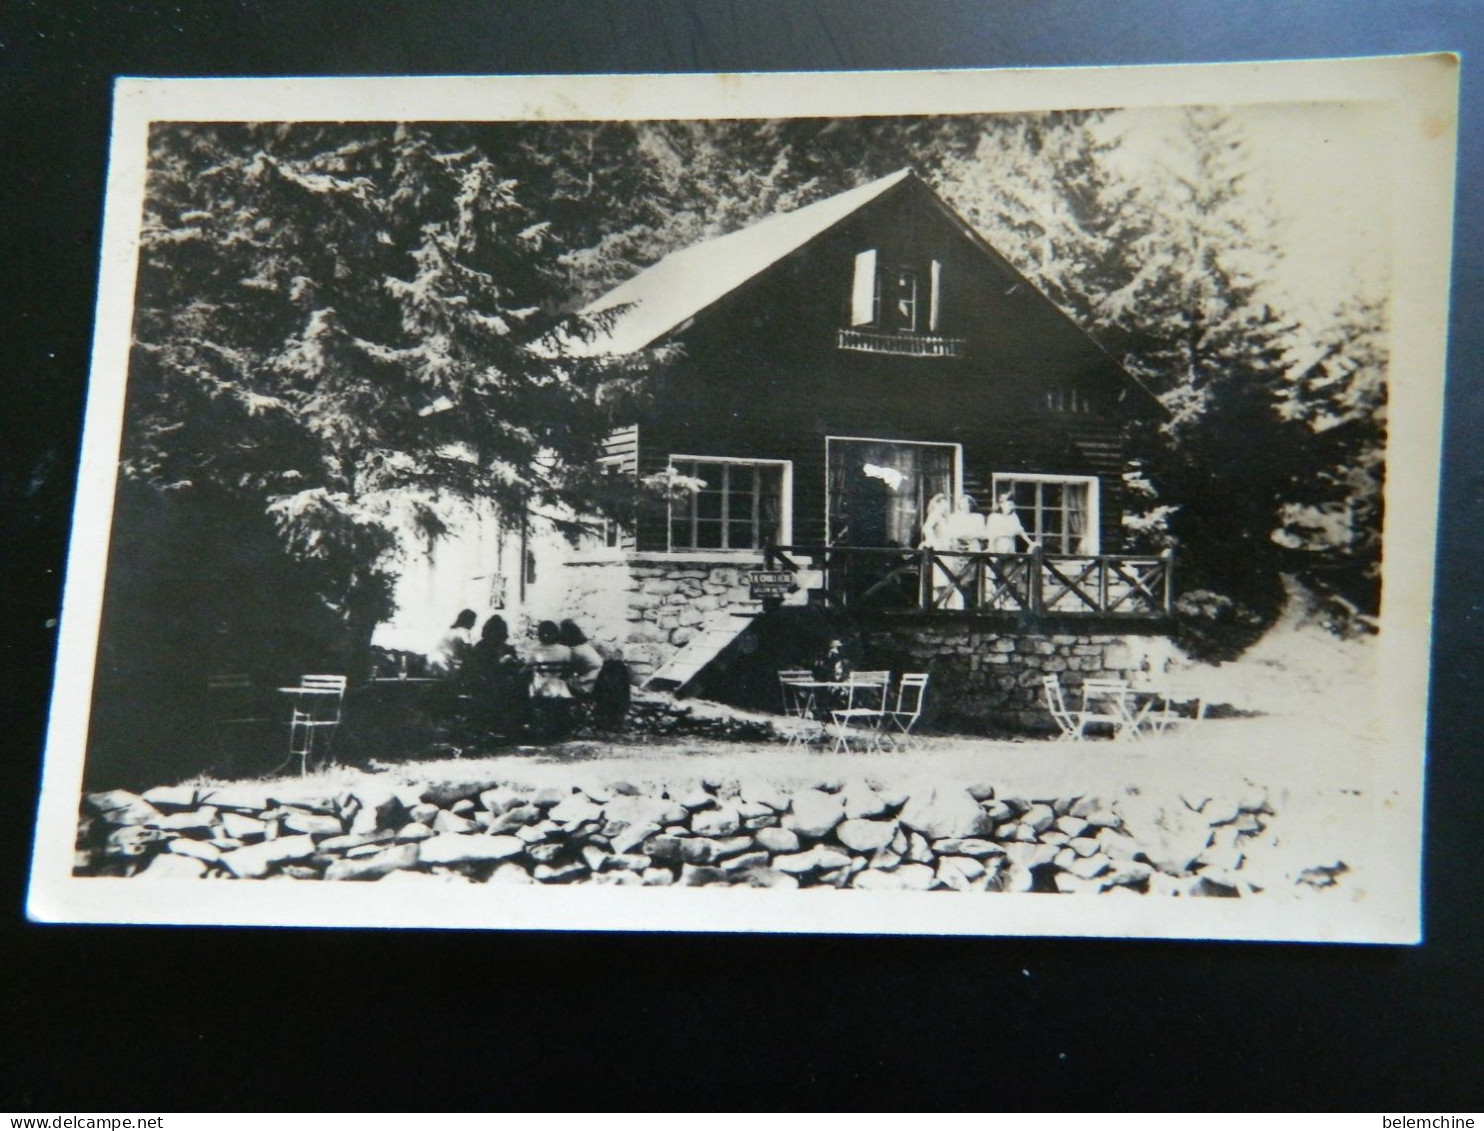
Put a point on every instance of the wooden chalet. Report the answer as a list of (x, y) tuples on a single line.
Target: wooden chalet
[(843, 363)]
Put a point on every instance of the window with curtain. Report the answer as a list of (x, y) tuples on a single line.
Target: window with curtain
[(1058, 511), (879, 489)]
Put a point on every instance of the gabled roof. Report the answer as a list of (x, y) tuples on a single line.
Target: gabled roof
[(683, 283)]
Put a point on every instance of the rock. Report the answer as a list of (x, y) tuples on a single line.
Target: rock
[(1038, 818), (445, 794), (252, 861), (623, 789), (1206, 886), (463, 808), (312, 824), (817, 858), (595, 858), (723, 821), (762, 877), (244, 796), (196, 849), (909, 877), (1054, 836), (646, 810), (452, 848), (511, 873), (550, 796), (560, 873), (120, 807), (692, 876), (692, 798), (624, 837), (971, 846), (657, 877), (697, 850), (945, 812), (814, 813), (351, 840), (664, 848), (240, 827), (894, 798), (918, 849), (999, 811), (777, 839), (514, 819), (537, 833), (501, 798), (425, 813), (546, 853), (1086, 867), (1084, 845), (865, 836), (629, 861), (392, 814), (885, 859), (446, 822), (1072, 826), (171, 798), (961, 873), (194, 821), (1131, 874), (744, 861), (752, 810), (863, 802), (375, 866), (168, 866), (574, 810), (1070, 884), (414, 831), (1083, 806), (764, 794)]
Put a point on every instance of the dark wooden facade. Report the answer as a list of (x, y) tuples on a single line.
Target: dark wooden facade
[(775, 367)]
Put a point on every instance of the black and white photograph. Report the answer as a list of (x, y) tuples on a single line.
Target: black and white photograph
[(960, 503)]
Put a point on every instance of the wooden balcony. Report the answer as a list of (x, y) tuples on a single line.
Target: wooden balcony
[(1038, 585), (901, 344)]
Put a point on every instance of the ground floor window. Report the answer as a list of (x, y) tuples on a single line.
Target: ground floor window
[(1058, 511), (737, 504)]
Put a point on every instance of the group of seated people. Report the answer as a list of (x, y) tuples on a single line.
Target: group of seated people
[(505, 693)]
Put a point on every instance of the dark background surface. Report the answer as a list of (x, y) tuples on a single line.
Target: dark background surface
[(118, 1019)]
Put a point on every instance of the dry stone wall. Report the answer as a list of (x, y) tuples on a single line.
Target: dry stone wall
[(832, 833), (645, 608), (989, 677)]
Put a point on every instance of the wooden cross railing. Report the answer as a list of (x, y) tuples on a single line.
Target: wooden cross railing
[(927, 580)]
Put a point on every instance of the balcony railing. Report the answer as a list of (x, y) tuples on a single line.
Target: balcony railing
[(1036, 584), (901, 344)]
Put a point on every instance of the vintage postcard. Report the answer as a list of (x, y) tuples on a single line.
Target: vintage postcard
[(963, 502)]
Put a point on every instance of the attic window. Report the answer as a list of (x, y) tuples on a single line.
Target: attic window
[(904, 298)]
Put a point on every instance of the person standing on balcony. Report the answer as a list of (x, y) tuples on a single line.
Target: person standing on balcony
[(936, 535), (1003, 529)]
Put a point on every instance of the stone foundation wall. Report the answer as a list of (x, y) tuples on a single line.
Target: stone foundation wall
[(644, 608), (992, 679)]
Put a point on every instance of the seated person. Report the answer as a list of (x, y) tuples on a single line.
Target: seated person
[(585, 660), (549, 650), (449, 654), (495, 681)]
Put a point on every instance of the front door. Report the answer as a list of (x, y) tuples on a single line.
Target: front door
[(879, 489)]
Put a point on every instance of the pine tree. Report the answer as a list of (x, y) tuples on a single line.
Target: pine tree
[(348, 328)]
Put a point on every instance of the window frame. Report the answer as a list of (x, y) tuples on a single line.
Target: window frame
[(958, 463), (1093, 484), (785, 507)]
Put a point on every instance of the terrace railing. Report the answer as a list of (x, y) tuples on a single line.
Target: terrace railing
[(1035, 583)]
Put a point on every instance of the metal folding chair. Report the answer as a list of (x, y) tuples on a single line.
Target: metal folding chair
[(798, 703), (899, 722), (862, 687), (318, 701)]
